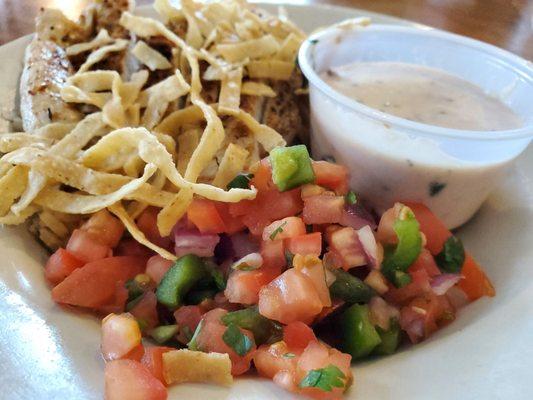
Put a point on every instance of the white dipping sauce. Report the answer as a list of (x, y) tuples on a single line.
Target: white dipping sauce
[(387, 165), (421, 94)]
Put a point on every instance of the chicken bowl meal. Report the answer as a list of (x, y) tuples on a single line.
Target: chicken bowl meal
[(164, 164)]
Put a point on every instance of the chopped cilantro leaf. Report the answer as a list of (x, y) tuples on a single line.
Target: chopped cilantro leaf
[(289, 355), (241, 181), (324, 378), (452, 256), (350, 198), (279, 229), (237, 340)]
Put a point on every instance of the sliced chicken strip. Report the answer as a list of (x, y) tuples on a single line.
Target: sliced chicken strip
[(51, 24), (108, 13), (46, 69), (286, 112)]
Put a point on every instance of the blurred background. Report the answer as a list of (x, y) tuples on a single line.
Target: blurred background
[(505, 23)]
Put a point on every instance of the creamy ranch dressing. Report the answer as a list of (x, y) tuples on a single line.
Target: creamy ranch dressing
[(422, 94)]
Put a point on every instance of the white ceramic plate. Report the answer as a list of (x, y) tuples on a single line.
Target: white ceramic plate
[(47, 352)]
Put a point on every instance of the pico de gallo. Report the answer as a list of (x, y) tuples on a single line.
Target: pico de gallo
[(296, 284)]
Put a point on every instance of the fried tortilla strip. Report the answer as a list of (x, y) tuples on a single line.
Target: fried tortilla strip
[(174, 211), (13, 219), (153, 151), (232, 164), (180, 366), (150, 57), (12, 185), (137, 234), (13, 141), (72, 203)]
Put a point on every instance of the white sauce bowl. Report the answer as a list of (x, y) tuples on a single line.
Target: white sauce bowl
[(393, 159)]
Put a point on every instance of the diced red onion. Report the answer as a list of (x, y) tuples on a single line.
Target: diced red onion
[(416, 330), (370, 246), (356, 216), (182, 225), (381, 312), (192, 241), (243, 244), (457, 297), (443, 282), (131, 247), (249, 261)]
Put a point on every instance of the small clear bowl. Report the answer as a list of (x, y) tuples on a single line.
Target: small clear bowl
[(391, 158)]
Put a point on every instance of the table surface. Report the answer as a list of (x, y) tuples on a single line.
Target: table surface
[(505, 23)]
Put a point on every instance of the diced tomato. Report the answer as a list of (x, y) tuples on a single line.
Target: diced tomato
[(267, 207), (425, 261), (475, 283), (284, 228), (157, 267), (243, 286), (434, 229), (147, 223), (271, 359), (204, 215), (128, 379), (424, 315), (120, 335), (316, 356), (323, 209), (137, 353), (86, 247), (209, 339), (332, 176), (118, 304), (146, 310), (131, 247), (386, 233), (286, 380), (297, 335), (153, 360), (187, 318), (95, 284), (232, 225), (273, 253), (60, 265), (310, 243), (287, 369), (290, 297), (221, 301), (105, 227), (345, 243), (419, 286), (312, 268), (262, 179)]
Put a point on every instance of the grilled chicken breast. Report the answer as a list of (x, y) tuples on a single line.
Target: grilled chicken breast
[(46, 69)]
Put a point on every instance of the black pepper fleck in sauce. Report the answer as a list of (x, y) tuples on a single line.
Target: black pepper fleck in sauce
[(435, 188)]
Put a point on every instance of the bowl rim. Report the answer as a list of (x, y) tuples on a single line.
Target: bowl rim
[(521, 66)]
